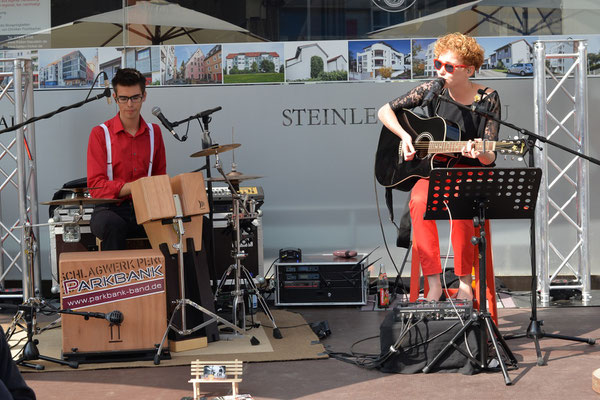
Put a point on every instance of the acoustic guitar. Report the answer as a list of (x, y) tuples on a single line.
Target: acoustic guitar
[(436, 142)]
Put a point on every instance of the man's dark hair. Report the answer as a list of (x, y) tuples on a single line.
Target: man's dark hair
[(129, 77)]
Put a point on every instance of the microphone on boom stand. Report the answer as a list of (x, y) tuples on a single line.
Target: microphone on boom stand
[(158, 114)]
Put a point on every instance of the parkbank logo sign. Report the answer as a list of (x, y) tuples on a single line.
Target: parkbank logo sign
[(394, 5)]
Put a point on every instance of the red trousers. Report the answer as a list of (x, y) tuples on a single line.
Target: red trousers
[(425, 236)]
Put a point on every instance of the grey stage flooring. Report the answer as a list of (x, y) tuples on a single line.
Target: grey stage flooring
[(566, 375)]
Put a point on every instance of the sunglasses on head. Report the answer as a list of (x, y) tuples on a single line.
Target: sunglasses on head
[(437, 64)]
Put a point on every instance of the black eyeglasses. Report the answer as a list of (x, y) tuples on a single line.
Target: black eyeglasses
[(134, 99), (437, 64)]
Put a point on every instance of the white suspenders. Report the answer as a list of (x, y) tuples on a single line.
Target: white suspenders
[(109, 169)]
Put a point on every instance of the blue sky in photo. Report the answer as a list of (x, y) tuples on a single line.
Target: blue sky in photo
[(107, 54), (48, 56), (424, 43), (402, 46), (183, 53), (491, 44)]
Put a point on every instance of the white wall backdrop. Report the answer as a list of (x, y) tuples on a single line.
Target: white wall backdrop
[(318, 171)]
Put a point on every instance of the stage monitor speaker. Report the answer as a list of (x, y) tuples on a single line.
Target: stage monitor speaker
[(423, 343)]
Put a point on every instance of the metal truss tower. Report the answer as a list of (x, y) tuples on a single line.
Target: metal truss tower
[(562, 215), (19, 232)]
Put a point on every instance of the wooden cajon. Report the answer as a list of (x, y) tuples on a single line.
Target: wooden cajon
[(132, 282), (151, 196)]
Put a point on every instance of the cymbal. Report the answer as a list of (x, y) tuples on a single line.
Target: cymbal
[(216, 150), (77, 191), (233, 178), (75, 201)]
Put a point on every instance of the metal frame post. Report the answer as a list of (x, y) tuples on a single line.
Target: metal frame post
[(22, 177), (562, 170)]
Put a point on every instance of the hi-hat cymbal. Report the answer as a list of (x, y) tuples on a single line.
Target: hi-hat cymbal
[(233, 178), (216, 150), (75, 201)]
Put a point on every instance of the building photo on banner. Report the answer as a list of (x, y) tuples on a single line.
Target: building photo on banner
[(274, 248), (319, 61)]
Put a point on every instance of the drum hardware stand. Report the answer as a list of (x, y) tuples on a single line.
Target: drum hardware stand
[(27, 312), (206, 143), (237, 268), (182, 302)]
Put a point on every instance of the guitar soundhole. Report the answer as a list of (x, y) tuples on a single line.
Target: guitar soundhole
[(422, 147)]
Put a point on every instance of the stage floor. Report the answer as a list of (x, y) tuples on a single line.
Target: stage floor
[(568, 373)]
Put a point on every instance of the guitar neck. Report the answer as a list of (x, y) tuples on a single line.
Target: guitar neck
[(456, 147)]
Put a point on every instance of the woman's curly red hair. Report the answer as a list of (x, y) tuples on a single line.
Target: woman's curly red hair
[(465, 47)]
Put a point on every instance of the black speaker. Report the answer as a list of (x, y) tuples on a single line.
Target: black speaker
[(423, 342), (251, 244)]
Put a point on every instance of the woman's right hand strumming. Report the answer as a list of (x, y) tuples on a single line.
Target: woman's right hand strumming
[(408, 150)]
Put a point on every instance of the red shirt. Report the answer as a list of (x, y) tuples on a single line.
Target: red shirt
[(130, 157)]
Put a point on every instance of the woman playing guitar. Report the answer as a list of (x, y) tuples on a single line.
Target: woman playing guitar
[(457, 58)]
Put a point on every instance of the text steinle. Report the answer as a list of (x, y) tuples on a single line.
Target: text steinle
[(329, 116)]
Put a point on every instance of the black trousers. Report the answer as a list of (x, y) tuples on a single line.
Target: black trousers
[(12, 384), (113, 224)]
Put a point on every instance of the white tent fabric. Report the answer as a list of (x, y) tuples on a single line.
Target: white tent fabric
[(148, 22), (493, 18)]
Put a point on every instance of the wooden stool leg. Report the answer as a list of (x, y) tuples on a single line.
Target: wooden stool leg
[(491, 279)]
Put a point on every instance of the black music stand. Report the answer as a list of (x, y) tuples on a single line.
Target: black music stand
[(480, 194)]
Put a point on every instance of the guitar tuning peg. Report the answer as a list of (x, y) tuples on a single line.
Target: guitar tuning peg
[(520, 159)]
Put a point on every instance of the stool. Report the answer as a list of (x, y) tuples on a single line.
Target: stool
[(415, 274)]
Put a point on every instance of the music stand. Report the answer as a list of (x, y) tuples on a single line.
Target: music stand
[(480, 194)]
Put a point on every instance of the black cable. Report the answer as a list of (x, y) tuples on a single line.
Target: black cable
[(286, 327), (374, 361), (399, 273), (106, 93), (95, 81), (271, 266)]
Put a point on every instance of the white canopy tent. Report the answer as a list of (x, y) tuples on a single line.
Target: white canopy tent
[(502, 18), (146, 23)]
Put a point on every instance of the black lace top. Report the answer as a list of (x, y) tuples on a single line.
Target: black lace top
[(472, 125)]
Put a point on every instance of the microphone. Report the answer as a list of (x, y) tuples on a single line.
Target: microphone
[(478, 105), (436, 88), (206, 113), (156, 112), (106, 88), (114, 317)]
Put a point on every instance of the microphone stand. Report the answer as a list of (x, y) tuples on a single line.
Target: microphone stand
[(534, 330), (206, 143), (105, 93)]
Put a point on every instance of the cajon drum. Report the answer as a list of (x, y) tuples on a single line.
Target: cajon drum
[(153, 203), (132, 282)]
